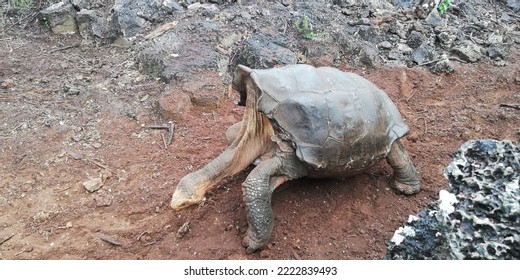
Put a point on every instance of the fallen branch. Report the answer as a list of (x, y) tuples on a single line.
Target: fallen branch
[(65, 48), (516, 106), (6, 239), (160, 30), (428, 62), (108, 239), (169, 126)]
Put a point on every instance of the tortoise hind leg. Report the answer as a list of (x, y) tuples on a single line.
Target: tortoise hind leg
[(405, 175), (257, 191)]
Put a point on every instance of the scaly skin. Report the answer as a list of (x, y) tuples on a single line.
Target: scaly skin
[(257, 190), (406, 177)]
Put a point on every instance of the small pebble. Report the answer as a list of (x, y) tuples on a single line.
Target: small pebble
[(8, 83)]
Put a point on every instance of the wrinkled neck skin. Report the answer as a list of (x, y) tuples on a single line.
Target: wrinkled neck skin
[(253, 141)]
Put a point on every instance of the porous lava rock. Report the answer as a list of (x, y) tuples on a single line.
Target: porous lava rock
[(478, 218)]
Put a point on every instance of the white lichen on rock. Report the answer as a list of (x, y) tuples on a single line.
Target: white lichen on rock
[(402, 233)]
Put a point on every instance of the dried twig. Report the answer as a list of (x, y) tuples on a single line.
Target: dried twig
[(6, 239), (515, 106), (65, 48), (164, 142), (108, 239), (99, 164), (428, 62), (169, 126), (160, 30), (170, 132), (141, 235)]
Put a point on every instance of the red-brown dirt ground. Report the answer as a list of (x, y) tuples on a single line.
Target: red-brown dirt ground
[(68, 115)]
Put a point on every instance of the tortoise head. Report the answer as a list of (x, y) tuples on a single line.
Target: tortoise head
[(189, 191), (240, 82)]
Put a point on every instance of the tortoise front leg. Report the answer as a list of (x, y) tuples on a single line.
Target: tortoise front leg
[(405, 175), (258, 189)]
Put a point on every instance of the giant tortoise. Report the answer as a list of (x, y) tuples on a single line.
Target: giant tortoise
[(302, 121)]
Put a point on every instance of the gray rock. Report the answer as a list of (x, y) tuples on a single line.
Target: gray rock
[(434, 19), (446, 38), (385, 45), (170, 56), (468, 51), (505, 17), (443, 66), (369, 33), (91, 25), (423, 54), (263, 51), (172, 6), (415, 39), (395, 54), (404, 49), (134, 16), (469, 11), (369, 55), (479, 218), (514, 5), (93, 185), (398, 29), (403, 3), (496, 51), (61, 18)]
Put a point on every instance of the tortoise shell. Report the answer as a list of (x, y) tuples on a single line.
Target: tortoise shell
[(337, 122)]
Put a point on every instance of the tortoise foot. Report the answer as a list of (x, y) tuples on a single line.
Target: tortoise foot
[(251, 243), (406, 188)]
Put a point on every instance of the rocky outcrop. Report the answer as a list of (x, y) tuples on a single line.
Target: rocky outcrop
[(478, 218)]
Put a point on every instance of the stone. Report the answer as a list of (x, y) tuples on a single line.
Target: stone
[(415, 39), (496, 51), (468, 51), (262, 51), (478, 217), (61, 18), (93, 185), (434, 19), (385, 45), (134, 16), (446, 38), (368, 55), (167, 57), (404, 49), (91, 25), (8, 83), (514, 5), (423, 54), (172, 6), (403, 3), (183, 230), (443, 66)]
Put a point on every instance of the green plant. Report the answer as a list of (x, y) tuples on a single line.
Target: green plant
[(443, 6), (305, 28)]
